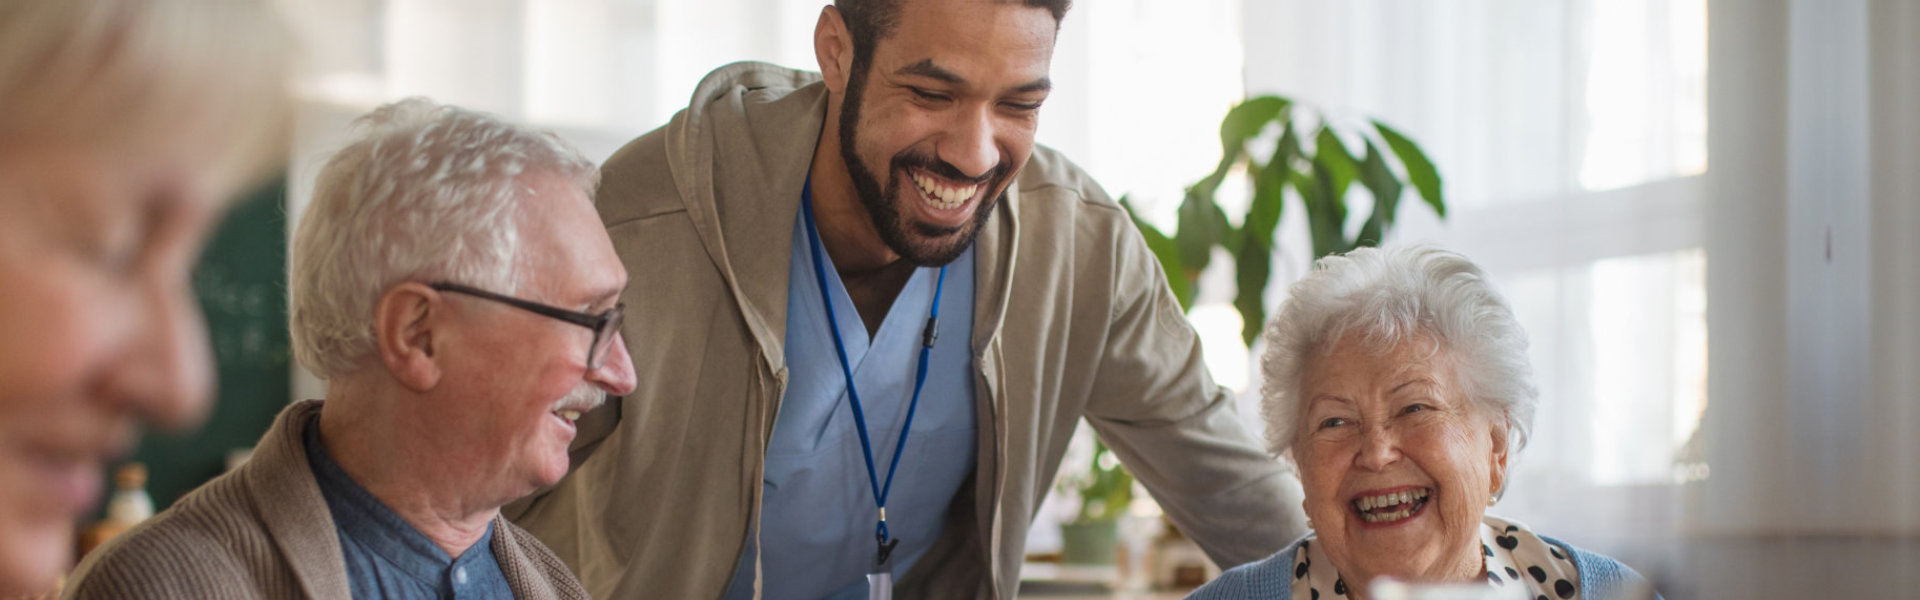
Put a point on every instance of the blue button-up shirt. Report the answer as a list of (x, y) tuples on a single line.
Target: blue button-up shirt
[(816, 537), (385, 556)]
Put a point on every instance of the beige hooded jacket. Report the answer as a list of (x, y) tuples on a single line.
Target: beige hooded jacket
[(1073, 319)]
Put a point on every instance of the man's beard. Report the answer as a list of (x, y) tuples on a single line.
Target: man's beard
[(933, 247)]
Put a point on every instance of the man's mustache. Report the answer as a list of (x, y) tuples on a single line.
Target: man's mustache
[(946, 169)]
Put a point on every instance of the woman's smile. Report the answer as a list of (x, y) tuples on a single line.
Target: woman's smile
[(1392, 507)]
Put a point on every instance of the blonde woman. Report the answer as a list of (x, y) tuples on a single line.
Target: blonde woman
[(124, 127)]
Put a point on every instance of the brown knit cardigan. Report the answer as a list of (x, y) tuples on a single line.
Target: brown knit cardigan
[(263, 531)]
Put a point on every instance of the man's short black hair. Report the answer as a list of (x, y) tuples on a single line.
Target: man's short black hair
[(870, 21)]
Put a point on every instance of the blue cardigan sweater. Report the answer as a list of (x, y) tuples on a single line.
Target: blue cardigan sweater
[(1601, 578)]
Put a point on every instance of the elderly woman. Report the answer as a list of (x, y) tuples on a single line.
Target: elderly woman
[(1397, 382), (124, 126)]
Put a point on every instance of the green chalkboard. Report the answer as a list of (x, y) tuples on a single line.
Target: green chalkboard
[(241, 280)]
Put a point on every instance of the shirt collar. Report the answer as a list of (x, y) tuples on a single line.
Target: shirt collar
[(364, 518)]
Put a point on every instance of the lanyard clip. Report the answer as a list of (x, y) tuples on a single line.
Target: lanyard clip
[(885, 543), (932, 333), (883, 554)]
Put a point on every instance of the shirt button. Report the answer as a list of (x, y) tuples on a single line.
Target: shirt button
[(460, 575)]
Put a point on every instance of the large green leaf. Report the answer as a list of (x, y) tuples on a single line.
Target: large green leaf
[(1328, 150), (1202, 226), (1326, 214), (1334, 170), (1168, 254), (1243, 123), (1379, 180), (1289, 145), (1211, 183), (1247, 119), (1253, 266), (1269, 191), (1420, 171)]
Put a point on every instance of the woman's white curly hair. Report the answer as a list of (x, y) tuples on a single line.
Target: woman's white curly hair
[(1389, 295)]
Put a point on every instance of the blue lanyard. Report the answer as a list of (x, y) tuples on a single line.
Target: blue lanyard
[(927, 337)]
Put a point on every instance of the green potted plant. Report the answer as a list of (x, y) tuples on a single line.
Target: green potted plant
[(1320, 169), (1105, 491)]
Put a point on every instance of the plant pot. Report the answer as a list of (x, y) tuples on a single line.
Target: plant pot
[(1092, 543)]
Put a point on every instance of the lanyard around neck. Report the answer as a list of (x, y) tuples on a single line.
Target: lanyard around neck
[(853, 397)]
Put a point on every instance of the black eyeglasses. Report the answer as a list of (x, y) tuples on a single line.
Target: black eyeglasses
[(605, 326)]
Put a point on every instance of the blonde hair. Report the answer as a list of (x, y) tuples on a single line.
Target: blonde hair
[(427, 193), (206, 76)]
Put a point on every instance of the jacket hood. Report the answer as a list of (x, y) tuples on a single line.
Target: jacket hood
[(749, 132)]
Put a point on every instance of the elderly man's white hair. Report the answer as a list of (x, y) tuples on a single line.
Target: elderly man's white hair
[(427, 193), (1388, 295)]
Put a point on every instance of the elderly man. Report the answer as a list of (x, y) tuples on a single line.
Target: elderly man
[(454, 287), (804, 419)]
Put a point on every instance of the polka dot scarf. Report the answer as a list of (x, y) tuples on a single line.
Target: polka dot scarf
[(1514, 557)]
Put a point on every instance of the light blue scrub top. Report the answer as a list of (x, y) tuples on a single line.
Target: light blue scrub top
[(817, 520)]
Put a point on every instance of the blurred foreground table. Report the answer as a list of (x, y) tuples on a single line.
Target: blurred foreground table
[(1055, 581)]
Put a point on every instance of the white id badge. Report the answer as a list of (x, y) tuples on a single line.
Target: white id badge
[(880, 586)]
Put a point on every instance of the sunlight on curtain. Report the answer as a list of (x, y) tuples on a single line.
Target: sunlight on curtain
[(1141, 86), (1619, 349), (1646, 93)]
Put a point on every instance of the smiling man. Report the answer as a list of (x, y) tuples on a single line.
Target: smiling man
[(876, 312), (452, 284)]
